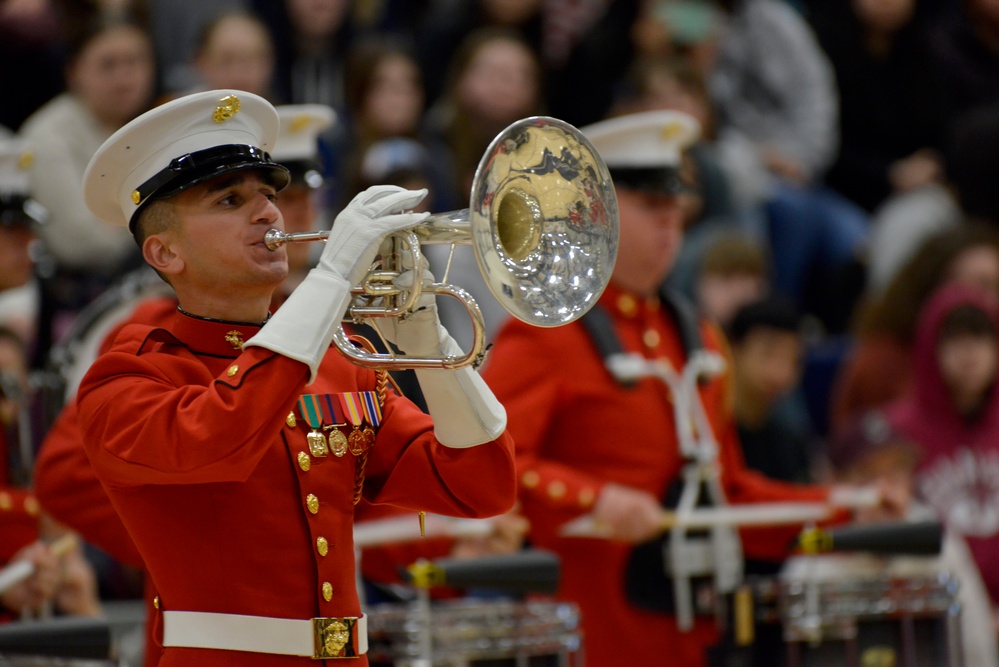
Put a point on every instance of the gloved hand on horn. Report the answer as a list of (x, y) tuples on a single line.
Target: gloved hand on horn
[(464, 410), (303, 327)]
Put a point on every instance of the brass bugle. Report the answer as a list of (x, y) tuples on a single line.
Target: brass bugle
[(542, 223)]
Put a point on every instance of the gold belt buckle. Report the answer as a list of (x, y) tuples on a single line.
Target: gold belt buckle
[(334, 638)]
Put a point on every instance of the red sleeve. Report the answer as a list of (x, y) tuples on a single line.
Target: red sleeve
[(70, 492), (410, 469), (743, 485), (18, 521), (527, 375)]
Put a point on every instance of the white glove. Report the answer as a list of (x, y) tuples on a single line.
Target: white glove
[(303, 327), (359, 228), (420, 334), (464, 409)]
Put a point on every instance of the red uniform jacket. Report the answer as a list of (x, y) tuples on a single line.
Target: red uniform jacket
[(18, 517), (577, 429), (18, 513), (194, 441)]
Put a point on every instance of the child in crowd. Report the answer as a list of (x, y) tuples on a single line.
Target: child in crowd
[(767, 353), (950, 422), (734, 272)]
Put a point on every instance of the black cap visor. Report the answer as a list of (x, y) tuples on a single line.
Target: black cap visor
[(189, 170), (21, 210), (305, 172), (654, 180)]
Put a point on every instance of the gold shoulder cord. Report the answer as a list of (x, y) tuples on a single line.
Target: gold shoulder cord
[(382, 380)]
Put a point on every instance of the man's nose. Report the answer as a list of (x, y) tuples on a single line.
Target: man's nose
[(268, 210)]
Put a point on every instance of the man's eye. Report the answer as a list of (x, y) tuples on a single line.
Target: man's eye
[(272, 196)]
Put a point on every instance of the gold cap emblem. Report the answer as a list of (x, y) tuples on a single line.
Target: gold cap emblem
[(136, 197), (299, 123), (228, 108), (671, 131), (25, 160)]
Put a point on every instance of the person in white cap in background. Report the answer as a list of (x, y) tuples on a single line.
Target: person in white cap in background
[(220, 437), (614, 413), (19, 519), (20, 216), (300, 202), (62, 581)]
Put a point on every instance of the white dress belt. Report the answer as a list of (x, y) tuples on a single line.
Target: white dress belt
[(316, 637)]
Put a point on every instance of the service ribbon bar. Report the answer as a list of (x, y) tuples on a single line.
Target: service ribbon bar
[(372, 409), (335, 414), (310, 407), (353, 406)]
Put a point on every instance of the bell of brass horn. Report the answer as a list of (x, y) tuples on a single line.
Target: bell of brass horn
[(543, 224)]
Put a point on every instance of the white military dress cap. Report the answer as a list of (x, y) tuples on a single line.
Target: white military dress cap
[(297, 146), (16, 205), (177, 145), (644, 150)]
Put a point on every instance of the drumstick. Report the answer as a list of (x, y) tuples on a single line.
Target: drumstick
[(755, 514), (752, 514), (17, 572), (407, 529)]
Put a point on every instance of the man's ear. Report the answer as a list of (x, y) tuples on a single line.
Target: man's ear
[(159, 253)]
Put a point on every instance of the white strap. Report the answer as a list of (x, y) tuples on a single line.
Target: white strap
[(256, 634)]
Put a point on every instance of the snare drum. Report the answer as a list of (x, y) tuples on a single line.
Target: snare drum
[(476, 633), (866, 622)]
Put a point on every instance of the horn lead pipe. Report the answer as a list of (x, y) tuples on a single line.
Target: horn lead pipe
[(275, 238)]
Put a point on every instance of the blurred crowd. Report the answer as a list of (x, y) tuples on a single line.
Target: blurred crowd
[(842, 225)]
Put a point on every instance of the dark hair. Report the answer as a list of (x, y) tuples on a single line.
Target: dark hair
[(771, 313), (475, 41), (972, 157), (157, 217), (364, 59), (79, 34), (896, 311), (966, 320)]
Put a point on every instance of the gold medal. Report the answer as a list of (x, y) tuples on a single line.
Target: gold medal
[(317, 443), (357, 441), (369, 437), (338, 442)]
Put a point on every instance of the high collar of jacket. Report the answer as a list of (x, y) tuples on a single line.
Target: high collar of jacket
[(213, 337)]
